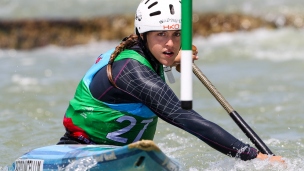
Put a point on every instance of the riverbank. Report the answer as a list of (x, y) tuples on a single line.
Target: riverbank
[(33, 33)]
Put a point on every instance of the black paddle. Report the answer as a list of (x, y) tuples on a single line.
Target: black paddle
[(233, 114)]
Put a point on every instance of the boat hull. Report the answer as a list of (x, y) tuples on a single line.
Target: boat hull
[(142, 155)]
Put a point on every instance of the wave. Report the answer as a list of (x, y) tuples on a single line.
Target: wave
[(275, 45)]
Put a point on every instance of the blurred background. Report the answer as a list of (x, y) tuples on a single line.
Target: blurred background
[(23, 24), (252, 51)]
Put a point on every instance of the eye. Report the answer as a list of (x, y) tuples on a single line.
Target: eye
[(161, 34), (178, 34)]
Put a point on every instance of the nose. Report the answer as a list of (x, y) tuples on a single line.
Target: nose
[(170, 42)]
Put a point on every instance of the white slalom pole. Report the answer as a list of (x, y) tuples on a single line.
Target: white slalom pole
[(186, 79), (186, 58)]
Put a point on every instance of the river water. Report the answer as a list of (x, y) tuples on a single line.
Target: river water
[(259, 73)]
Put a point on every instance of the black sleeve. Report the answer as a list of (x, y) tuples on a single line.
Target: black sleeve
[(145, 85)]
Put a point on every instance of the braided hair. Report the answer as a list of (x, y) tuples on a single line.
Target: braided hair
[(127, 42)]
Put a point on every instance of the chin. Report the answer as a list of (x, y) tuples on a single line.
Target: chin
[(166, 63)]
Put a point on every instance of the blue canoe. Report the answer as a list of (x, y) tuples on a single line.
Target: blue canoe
[(141, 155)]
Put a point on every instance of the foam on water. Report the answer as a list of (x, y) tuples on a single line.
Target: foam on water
[(204, 158), (276, 45), (258, 72)]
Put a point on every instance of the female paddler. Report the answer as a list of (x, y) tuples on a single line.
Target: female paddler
[(121, 97)]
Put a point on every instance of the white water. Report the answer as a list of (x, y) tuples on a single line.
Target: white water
[(259, 73)]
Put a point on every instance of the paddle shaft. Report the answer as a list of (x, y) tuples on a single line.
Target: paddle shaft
[(233, 114)]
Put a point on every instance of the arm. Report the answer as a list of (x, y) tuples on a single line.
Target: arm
[(145, 85)]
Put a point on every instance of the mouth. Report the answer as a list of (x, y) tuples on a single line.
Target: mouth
[(168, 53)]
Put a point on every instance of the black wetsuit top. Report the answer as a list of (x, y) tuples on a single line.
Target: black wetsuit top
[(137, 83)]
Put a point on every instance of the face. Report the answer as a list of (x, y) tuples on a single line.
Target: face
[(164, 45)]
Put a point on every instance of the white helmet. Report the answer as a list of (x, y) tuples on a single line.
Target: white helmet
[(152, 15)]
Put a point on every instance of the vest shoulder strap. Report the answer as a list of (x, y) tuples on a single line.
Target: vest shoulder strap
[(133, 55)]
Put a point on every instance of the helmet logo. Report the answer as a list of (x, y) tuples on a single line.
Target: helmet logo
[(138, 16), (170, 20), (171, 27)]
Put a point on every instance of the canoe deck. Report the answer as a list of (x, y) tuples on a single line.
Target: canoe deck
[(142, 155)]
